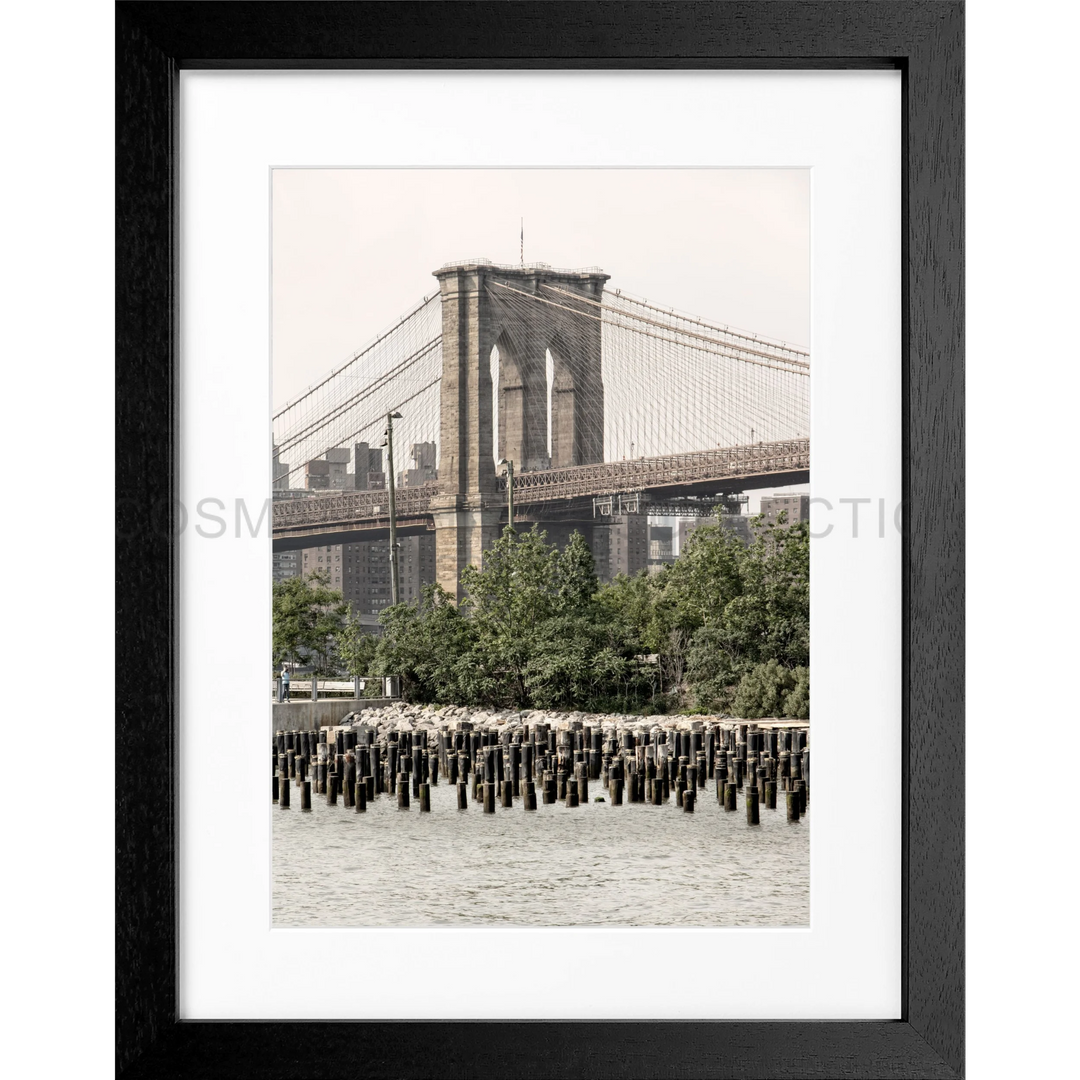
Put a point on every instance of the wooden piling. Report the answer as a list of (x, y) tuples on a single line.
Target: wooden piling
[(348, 781), (360, 796), (274, 789), (793, 806), (489, 798), (730, 796), (615, 788), (752, 815), (462, 795), (507, 794), (688, 800), (529, 795), (425, 798), (305, 795), (403, 791), (571, 793), (770, 794), (331, 789), (283, 793)]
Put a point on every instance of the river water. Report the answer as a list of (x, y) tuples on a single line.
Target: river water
[(592, 865)]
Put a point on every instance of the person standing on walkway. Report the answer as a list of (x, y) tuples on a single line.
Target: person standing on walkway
[(284, 682)]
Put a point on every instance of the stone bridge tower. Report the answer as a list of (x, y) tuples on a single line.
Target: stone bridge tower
[(485, 308)]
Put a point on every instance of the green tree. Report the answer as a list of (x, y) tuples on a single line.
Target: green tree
[(516, 591), (762, 691), (770, 689), (713, 669), (428, 645), (308, 616), (575, 576), (356, 646), (797, 701), (770, 619)]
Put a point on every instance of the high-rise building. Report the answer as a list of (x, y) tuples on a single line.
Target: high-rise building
[(338, 460), (368, 471), (661, 547), (797, 507), (280, 472), (739, 524), (423, 470), (365, 571), (627, 545)]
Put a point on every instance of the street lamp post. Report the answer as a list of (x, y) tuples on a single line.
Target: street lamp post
[(395, 591), (509, 489)]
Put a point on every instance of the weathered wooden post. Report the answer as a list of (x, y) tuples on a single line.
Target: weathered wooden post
[(376, 768), (425, 798), (752, 816), (360, 795), (792, 805), (305, 795), (489, 798), (462, 795), (688, 800), (348, 789), (403, 791), (729, 796), (283, 793), (770, 794)]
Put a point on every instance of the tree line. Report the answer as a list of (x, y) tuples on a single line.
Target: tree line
[(725, 628)]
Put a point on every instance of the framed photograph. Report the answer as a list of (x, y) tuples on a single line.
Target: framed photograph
[(700, 1015)]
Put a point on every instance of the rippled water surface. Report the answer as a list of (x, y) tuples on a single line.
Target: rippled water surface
[(593, 865)]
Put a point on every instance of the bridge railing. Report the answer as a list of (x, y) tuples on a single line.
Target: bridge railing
[(371, 505), (549, 485), (617, 477)]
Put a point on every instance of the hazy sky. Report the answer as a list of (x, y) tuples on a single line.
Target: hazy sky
[(354, 249)]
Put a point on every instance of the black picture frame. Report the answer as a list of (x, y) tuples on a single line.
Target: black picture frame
[(924, 39)]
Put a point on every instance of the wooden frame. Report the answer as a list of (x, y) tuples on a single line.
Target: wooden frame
[(924, 39)]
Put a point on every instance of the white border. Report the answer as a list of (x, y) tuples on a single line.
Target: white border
[(846, 126)]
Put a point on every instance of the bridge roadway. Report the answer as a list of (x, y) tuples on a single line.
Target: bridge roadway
[(349, 517)]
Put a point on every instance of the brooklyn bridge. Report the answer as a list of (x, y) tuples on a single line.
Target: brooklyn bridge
[(597, 407)]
